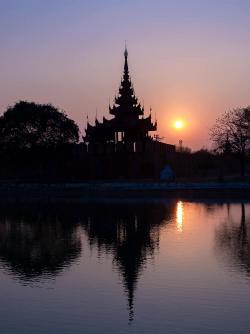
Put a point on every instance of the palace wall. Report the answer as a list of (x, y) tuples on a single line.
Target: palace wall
[(125, 160), (80, 162)]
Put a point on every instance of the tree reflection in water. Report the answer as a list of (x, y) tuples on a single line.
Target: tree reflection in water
[(40, 240), (36, 241), (233, 239)]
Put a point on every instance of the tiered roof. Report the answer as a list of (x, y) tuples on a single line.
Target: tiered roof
[(128, 116), (126, 102)]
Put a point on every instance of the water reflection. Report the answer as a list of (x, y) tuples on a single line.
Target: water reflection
[(179, 216), (233, 238), (36, 242), (130, 231), (100, 244), (41, 240)]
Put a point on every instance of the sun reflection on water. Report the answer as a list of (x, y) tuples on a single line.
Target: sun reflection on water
[(179, 216)]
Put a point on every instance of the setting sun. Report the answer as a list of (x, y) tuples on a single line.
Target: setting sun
[(178, 124)]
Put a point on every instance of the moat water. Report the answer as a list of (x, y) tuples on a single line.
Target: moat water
[(118, 266)]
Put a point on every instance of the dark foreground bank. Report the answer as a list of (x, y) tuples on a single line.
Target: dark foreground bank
[(121, 189)]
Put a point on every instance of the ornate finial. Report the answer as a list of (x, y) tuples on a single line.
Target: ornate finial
[(96, 113), (126, 50), (87, 118), (125, 74)]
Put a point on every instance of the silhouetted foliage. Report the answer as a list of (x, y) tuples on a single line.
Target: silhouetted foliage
[(231, 134), (30, 125), (183, 149)]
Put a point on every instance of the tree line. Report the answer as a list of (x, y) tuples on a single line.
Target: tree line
[(30, 125), (38, 138), (231, 135)]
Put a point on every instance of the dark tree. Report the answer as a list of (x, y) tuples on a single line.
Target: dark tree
[(231, 134), (30, 125)]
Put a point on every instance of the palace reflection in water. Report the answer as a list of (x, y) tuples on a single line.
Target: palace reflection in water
[(42, 241)]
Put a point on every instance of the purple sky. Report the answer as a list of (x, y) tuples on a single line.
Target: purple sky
[(188, 59)]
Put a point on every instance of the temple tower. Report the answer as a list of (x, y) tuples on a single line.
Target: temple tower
[(128, 123)]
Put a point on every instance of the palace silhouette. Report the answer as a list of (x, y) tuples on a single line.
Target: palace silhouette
[(128, 124), (123, 145)]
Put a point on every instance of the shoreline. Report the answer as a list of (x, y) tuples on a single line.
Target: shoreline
[(87, 190)]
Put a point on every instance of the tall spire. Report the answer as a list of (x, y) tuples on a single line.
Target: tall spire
[(128, 115), (126, 72)]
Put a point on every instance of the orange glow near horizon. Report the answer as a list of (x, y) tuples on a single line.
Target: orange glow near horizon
[(188, 130)]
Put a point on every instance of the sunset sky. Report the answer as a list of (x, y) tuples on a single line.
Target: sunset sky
[(189, 60)]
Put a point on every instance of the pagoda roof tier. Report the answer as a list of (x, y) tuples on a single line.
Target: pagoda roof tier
[(128, 116), (126, 102), (125, 109), (109, 127)]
